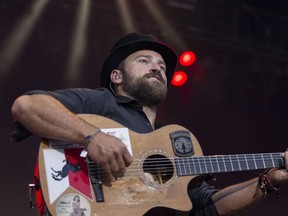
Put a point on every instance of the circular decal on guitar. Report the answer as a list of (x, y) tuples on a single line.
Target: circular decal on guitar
[(73, 204)]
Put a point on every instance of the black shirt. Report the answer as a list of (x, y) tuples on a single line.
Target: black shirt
[(129, 113), (124, 110)]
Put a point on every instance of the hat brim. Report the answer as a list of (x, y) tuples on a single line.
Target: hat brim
[(115, 58)]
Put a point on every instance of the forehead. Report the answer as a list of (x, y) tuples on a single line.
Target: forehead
[(147, 53)]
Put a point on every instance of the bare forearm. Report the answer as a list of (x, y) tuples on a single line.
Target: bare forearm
[(237, 198), (46, 117)]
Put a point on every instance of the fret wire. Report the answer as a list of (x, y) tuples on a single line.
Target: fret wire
[(272, 160), (264, 164), (251, 161), (231, 163), (185, 166), (220, 165), (243, 162), (203, 167), (189, 165), (178, 167), (235, 162), (211, 164), (200, 167), (194, 165), (255, 164), (247, 165), (267, 161), (181, 166), (218, 168), (228, 166), (263, 161), (206, 169), (238, 162), (225, 168)]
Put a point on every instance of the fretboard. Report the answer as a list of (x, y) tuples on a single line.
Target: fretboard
[(227, 163)]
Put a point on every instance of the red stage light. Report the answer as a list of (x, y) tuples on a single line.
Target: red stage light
[(179, 78), (187, 58)]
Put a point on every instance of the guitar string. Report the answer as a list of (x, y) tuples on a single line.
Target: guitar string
[(237, 158), (212, 159), (202, 162)]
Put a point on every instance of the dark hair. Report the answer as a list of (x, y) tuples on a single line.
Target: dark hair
[(75, 197)]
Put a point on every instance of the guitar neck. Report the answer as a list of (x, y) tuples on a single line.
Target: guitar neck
[(227, 163)]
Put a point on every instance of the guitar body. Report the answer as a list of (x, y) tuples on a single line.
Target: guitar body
[(138, 192)]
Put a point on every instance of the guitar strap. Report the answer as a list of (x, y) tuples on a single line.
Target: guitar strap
[(38, 193), (16, 136)]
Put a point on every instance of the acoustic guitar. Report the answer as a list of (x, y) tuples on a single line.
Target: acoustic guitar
[(165, 161)]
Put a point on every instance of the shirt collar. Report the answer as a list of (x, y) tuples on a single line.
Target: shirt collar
[(123, 99), (129, 101)]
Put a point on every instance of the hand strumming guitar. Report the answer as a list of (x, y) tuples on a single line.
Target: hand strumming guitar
[(111, 154)]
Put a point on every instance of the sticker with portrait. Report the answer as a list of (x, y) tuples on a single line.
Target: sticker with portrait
[(73, 204)]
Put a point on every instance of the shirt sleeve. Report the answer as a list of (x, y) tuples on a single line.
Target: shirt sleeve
[(200, 194), (78, 100)]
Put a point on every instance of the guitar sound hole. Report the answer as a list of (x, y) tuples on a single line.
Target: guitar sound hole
[(160, 168)]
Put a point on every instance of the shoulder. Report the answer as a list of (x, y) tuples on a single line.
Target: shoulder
[(73, 92)]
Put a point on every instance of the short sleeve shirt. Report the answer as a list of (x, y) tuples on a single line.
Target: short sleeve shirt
[(129, 113)]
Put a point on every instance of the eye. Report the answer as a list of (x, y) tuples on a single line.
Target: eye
[(143, 60), (163, 67)]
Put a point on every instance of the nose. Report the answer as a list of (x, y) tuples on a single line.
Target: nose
[(155, 70), (155, 67)]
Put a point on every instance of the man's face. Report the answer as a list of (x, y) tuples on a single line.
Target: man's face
[(144, 77)]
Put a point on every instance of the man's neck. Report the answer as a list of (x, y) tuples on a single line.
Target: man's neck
[(151, 113)]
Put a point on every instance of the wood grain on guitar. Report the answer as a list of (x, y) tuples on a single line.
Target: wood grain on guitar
[(156, 180)]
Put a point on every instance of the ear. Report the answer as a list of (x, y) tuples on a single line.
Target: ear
[(116, 76)]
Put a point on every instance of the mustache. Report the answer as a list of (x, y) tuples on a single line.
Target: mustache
[(156, 75)]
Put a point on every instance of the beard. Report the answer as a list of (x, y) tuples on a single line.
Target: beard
[(147, 93)]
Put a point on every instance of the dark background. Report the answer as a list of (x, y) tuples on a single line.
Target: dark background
[(235, 100)]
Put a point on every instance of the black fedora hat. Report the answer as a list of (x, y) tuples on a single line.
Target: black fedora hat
[(134, 42)]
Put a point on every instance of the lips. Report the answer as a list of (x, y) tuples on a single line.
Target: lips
[(156, 76)]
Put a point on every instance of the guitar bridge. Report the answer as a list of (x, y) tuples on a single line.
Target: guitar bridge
[(96, 181)]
